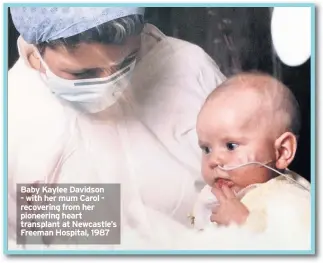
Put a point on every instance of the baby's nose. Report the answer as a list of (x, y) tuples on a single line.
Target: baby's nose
[(213, 164), (214, 160)]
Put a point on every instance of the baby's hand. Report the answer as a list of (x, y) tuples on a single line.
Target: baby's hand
[(229, 209)]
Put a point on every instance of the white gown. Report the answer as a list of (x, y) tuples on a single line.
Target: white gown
[(146, 141)]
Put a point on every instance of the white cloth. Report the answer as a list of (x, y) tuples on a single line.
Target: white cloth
[(146, 141), (280, 216), (202, 209)]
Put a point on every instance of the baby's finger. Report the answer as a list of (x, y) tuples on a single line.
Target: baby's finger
[(215, 218), (228, 192), (215, 208), (218, 194)]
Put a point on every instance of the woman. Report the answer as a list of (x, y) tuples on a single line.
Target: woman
[(98, 96)]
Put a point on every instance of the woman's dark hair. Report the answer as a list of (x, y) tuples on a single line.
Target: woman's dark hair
[(112, 32)]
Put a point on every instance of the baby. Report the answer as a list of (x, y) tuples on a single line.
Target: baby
[(251, 117)]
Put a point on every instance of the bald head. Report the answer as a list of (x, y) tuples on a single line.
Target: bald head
[(274, 102)]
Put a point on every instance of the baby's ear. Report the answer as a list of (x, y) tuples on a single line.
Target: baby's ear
[(285, 147)]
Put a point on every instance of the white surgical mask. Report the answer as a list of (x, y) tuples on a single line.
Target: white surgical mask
[(89, 95)]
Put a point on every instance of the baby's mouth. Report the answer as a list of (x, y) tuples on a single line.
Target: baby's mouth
[(219, 182)]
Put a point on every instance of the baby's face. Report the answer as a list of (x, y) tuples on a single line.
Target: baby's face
[(233, 131)]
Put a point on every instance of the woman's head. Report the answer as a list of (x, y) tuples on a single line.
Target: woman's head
[(78, 43), (85, 55)]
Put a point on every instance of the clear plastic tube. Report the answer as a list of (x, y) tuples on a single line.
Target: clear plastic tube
[(230, 168)]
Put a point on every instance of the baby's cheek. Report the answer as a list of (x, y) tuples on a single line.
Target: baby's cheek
[(236, 158), (251, 176), (207, 174), (245, 176)]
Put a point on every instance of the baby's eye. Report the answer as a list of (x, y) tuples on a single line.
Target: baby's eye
[(206, 150), (231, 146)]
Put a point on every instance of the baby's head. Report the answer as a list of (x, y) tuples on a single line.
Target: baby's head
[(250, 117)]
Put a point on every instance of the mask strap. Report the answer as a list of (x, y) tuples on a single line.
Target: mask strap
[(41, 58), (41, 61)]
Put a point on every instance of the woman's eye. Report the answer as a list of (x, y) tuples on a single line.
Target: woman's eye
[(206, 150), (85, 75), (126, 62), (231, 146)]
